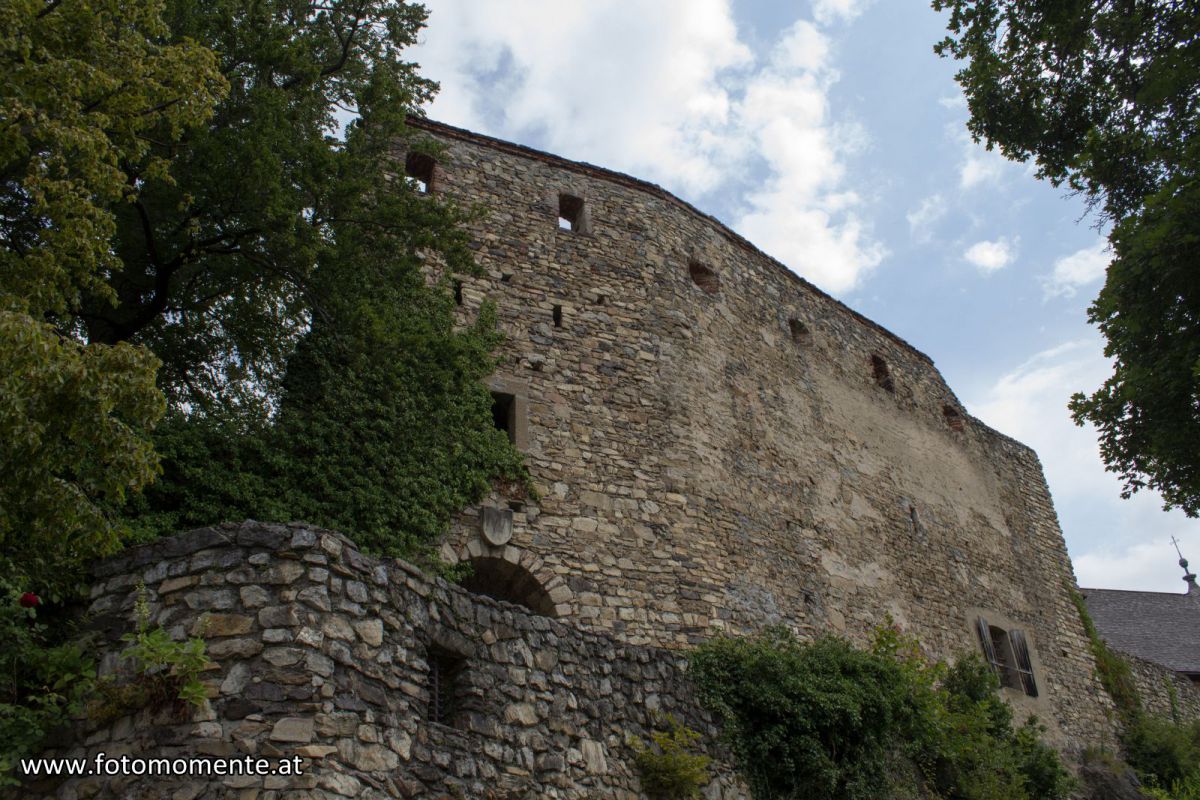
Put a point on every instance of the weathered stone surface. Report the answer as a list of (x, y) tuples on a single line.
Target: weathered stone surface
[(293, 729), (702, 468)]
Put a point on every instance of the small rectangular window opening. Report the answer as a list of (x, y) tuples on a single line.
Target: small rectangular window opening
[(558, 316), (458, 294), (883, 376), (570, 212), (504, 411), (445, 678), (418, 172)]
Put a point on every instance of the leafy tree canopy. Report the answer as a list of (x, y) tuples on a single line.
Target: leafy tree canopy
[(88, 86), (1104, 95), (313, 371), (218, 261)]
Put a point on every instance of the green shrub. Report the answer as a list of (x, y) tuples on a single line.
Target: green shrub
[(826, 719), (1188, 788), (43, 681), (165, 671), (669, 767), (1162, 752)]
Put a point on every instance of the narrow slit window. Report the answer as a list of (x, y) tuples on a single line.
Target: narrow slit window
[(557, 314), (704, 277), (883, 375), (418, 171), (799, 331), (570, 212), (458, 293), (445, 685), (504, 414)]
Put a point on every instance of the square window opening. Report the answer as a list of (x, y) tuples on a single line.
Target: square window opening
[(1007, 653), (418, 172)]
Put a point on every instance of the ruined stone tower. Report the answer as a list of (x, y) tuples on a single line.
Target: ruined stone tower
[(720, 445)]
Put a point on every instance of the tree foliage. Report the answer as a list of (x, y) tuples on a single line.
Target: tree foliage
[(1104, 95), (313, 372), (383, 429), (218, 261), (87, 87)]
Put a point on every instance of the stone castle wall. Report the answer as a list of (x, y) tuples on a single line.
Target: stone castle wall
[(327, 654), (1163, 691), (718, 453)]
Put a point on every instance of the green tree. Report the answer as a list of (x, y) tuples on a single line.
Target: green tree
[(88, 86), (384, 424), (312, 372), (217, 263), (1104, 95)]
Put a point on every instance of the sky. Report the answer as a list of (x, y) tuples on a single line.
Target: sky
[(829, 134)]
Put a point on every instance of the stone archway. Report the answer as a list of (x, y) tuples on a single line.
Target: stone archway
[(515, 575), (504, 580)]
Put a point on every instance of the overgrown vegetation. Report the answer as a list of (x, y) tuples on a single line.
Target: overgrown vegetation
[(50, 676), (669, 767), (162, 671), (1165, 753), (46, 678), (826, 719), (207, 280)]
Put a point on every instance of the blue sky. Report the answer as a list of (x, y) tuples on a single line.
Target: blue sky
[(830, 135)]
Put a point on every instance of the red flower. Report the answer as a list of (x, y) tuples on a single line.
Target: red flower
[(30, 600)]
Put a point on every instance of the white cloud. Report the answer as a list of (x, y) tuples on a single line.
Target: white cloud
[(826, 12), (980, 166), (1114, 543), (801, 215), (1077, 270), (922, 218), (990, 256), (673, 95), (1147, 566), (642, 92)]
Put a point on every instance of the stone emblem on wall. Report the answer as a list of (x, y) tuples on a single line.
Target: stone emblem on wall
[(497, 526)]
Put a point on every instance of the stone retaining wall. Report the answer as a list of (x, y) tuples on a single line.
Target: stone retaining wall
[(1161, 688), (322, 652)]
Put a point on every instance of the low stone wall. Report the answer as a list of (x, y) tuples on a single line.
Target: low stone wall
[(1161, 688), (321, 652)]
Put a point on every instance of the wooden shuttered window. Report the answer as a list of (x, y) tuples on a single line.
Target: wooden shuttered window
[(985, 641), (1024, 665), (1007, 653)]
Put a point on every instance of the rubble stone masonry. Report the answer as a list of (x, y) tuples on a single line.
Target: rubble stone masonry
[(719, 445), (323, 653)]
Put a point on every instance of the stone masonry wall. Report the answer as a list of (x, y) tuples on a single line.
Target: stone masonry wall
[(717, 454), (323, 653), (1152, 681)]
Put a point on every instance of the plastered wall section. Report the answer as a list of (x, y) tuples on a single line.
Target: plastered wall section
[(713, 461), (321, 652)]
